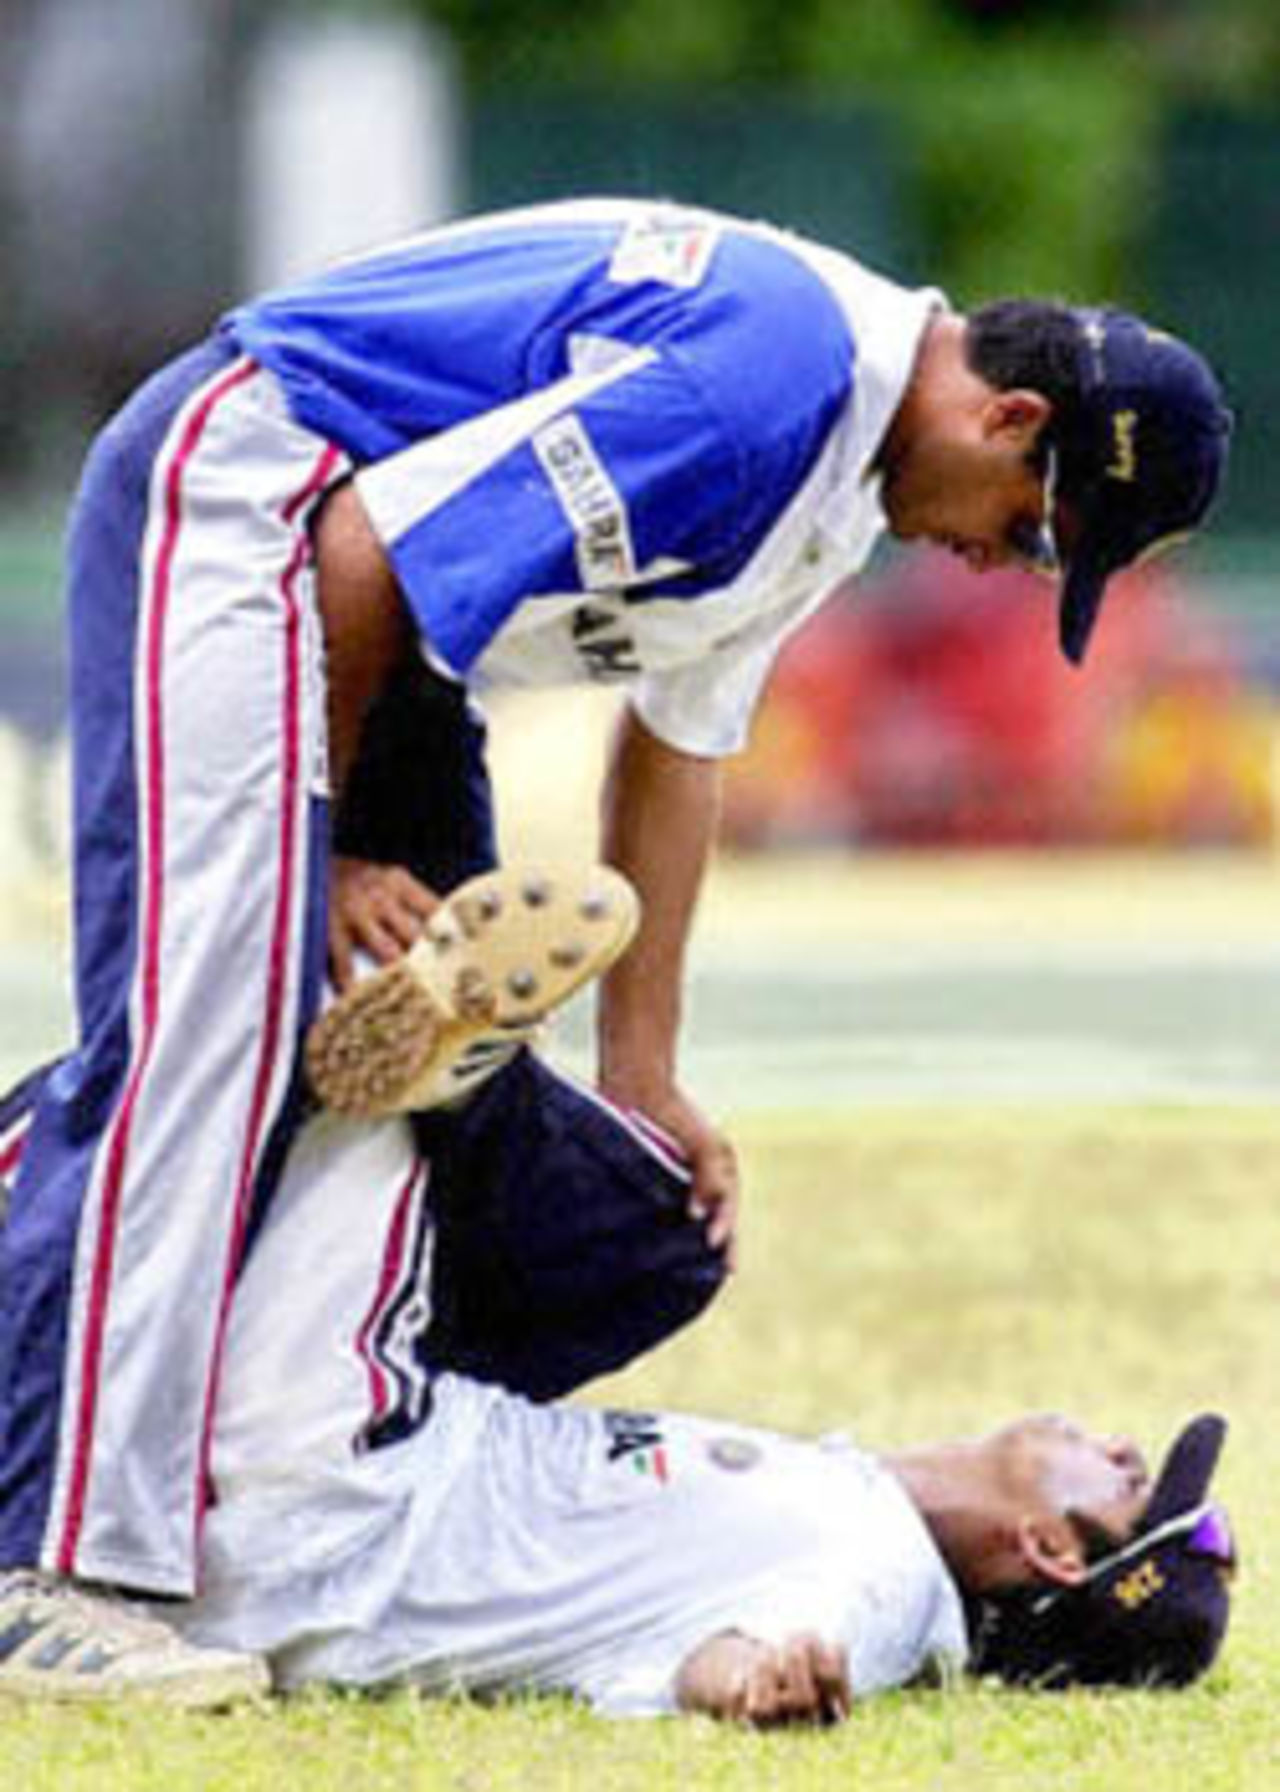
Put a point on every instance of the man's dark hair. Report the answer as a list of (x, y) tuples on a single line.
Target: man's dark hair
[(1025, 1639), (1028, 342)]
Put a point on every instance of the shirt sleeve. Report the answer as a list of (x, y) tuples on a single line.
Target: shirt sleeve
[(602, 481), (706, 708), (646, 1687)]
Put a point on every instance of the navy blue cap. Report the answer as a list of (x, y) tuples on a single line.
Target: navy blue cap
[(1151, 1613), (1140, 457)]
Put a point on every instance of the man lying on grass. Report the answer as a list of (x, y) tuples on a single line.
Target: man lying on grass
[(380, 1519)]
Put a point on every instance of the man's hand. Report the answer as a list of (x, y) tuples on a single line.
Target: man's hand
[(715, 1193), (804, 1680), (378, 909)]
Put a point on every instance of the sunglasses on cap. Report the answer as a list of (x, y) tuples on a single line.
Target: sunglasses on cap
[(1205, 1532), (1034, 544)]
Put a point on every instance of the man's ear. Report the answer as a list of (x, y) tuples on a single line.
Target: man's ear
[(1050, 1548), (1020, 413)]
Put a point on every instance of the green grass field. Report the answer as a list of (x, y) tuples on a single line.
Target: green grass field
[(907, 1273)]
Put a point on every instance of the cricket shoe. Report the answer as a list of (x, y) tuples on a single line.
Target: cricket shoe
[(61, 1643), (496, 958)]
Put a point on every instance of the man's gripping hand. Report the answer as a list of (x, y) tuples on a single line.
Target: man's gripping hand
[(377, 909), (713, 1163), (740, 1679)]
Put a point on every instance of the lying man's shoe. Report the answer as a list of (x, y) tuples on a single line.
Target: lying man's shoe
[(62, 1643), (495, 959)]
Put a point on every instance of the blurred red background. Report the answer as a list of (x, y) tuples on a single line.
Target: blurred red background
[(933, 708)]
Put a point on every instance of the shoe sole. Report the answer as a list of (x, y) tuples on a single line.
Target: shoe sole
[(211, 1689), (496, 958)]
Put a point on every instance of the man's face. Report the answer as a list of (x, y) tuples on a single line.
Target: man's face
[(975, 483), (1099, 1484)]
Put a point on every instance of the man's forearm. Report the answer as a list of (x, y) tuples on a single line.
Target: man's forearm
[(661, 809), (366, 626)]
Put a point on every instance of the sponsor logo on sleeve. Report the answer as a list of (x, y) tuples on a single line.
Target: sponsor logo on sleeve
[(665, 246), (591, 502), (636, 1438), (605, 649)]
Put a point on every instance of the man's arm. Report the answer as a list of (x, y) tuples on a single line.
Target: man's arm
[(366, 626), (742, 1680), (367, 632), (661, 809)]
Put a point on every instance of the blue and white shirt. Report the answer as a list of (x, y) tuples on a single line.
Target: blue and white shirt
[(606, 440)]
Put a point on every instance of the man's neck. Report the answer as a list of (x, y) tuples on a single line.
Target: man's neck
[(953, 1487), (941, 346)]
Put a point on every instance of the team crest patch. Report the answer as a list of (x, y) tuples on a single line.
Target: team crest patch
[(736, 1454), (664, 246), (591, 501)]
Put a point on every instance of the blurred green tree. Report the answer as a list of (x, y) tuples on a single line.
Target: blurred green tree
[(1222, 51), (1026, 129), (1026, 140)]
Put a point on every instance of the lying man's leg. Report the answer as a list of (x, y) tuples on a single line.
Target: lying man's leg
[(565, 1246), (532, 1238)]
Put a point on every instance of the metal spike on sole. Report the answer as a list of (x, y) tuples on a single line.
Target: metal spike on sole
[(472, 998)]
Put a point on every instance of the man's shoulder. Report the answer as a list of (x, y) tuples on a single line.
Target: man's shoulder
[(784, 330), (762, 294)]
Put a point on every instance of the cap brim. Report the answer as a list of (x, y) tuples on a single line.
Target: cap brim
[(1084, 584), (1188, 1468)]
